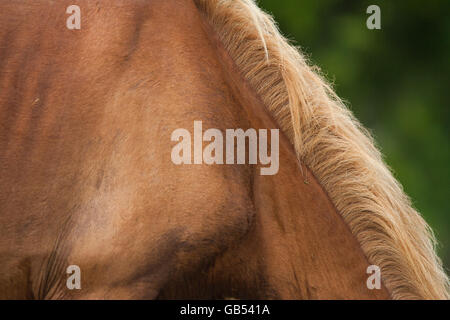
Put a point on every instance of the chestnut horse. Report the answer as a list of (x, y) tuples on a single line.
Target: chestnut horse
[(86, 177)]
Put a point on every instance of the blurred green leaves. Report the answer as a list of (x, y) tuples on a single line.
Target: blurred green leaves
[(396, 80)]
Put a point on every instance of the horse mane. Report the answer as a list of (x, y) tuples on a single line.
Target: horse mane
[(335, 147)]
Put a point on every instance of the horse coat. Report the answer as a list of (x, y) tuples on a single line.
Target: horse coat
[(86, 118)]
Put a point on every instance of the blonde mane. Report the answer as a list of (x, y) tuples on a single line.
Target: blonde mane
[(336, 148)]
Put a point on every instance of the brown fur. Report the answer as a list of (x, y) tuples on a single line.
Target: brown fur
[(86, 177), (332, 143)]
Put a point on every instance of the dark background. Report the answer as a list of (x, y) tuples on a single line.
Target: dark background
[(395, 80)]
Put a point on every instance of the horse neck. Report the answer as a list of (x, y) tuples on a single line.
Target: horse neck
[(299, 246)]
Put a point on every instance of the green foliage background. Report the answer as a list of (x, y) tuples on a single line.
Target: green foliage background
[(396, 81)]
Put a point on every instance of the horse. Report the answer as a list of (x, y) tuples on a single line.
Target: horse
[(86, 177)]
